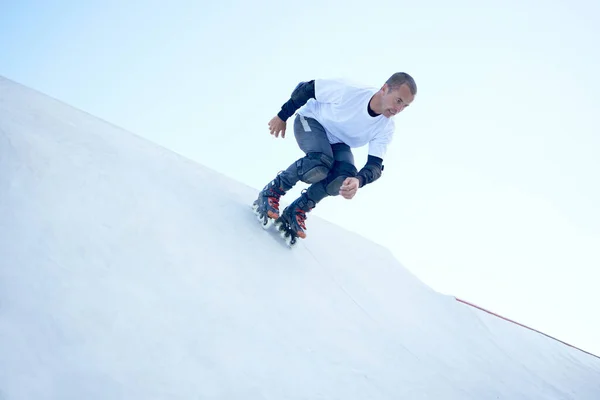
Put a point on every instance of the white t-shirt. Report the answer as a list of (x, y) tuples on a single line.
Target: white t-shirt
[(341, 107)]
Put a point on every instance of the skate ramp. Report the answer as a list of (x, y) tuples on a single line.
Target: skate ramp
[(129, 272)]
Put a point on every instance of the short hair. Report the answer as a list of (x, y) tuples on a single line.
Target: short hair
[(400, 78)]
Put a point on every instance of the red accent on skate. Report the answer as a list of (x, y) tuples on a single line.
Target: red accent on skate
[(300, 218), (274, 203)]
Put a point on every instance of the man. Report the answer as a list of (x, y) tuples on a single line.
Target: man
[(332, 116)]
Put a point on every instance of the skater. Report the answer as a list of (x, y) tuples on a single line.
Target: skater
[(332, 116)]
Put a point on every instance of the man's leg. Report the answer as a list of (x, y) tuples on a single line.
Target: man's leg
[(295, 214), (313, 167), (343, 167)]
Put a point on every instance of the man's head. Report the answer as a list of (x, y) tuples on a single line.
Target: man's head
[(396, 94)]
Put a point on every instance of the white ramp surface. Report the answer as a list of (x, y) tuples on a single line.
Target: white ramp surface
[(129, 272)]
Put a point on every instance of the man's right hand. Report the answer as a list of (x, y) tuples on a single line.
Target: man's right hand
[(277, 126)]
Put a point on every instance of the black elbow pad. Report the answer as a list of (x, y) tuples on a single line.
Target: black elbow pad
[(301, 94)]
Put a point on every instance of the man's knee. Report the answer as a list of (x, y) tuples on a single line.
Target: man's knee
[(338, 174), (314, 167)]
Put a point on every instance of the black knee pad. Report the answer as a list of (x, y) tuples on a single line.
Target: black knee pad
[(338, 174), (314, 167)]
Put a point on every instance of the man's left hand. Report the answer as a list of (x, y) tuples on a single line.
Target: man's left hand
[(349, 188)]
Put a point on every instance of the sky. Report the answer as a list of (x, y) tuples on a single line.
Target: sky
[(111, 289), (489, 189)]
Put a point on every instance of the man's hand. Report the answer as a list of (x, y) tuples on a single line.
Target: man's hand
[(276, 126), (349, 188)]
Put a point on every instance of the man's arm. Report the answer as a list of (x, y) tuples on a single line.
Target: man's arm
[(370, 172), (301, 94)]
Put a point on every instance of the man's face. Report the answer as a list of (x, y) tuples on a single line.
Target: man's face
[(394, 101)]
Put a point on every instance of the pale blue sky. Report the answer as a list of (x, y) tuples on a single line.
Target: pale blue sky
[(490, 189)]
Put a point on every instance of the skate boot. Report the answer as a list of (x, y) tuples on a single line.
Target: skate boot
[(292, 223), (266, 206)]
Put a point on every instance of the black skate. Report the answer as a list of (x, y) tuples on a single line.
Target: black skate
[(266, 206), (292, 223)]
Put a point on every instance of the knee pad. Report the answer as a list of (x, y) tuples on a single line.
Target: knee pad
[(340, 171), (314, 167)]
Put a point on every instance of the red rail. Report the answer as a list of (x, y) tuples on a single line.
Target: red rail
[(524, 326)]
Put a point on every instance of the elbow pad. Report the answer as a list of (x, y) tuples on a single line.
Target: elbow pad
[(301, 94)]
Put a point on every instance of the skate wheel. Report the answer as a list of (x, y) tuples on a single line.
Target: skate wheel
[(265, 222), (291, 241)]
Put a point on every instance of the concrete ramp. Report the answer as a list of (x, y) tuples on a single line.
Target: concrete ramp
[(129, 272)]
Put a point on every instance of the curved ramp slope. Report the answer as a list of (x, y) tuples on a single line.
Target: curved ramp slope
[(129, 272)]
